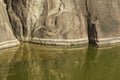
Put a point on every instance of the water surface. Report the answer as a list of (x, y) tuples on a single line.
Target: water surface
[(38, 62)]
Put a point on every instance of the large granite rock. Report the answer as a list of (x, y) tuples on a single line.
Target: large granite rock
[(7, 38), (105, 20), (48, 21), (64, 22)]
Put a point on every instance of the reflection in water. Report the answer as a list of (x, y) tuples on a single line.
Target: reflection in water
[(35, 62)]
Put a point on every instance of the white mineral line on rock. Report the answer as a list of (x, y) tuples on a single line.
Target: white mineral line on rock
[(10, 43), (61, 41), (109, 40)]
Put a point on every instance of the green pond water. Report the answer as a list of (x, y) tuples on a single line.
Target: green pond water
[(39, 62)]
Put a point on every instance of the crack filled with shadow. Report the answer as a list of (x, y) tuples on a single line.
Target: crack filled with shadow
[(91, 27)]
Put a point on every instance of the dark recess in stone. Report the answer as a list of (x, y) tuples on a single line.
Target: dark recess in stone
[(92, 34), (5, 1), (91, 27)]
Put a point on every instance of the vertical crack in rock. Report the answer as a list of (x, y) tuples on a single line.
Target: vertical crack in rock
[(91, 26)]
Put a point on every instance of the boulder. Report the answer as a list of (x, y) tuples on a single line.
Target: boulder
[(65, 22), (7, 39), (61, 22), (103, 21)]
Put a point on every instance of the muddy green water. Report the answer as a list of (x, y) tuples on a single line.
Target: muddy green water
[(36, 62)]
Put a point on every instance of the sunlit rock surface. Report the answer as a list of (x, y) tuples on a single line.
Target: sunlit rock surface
[(103, 21), (61, 20), (64, 22), (7, 38), (48, 20)]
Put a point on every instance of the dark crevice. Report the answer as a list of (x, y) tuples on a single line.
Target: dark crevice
[(92, 34), (4, 1), (24, 31), (91, 27), (14, 29)]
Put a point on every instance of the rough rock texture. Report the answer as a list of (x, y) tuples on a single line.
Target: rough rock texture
[(7, 38), (65, 22), (105, 20), (48, 20)]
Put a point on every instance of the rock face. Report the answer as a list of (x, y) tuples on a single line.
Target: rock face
[(48, 20), (65, 22), (106, 20), (7, 38)]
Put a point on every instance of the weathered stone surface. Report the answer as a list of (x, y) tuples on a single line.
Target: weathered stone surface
[(65, 22), (104, 15), (7, 38), (59, 20)]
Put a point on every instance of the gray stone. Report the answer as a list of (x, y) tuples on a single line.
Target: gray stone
[(7, 39), (57, 20), (64, 22), (104, 15)]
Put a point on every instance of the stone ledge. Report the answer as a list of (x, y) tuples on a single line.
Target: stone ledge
[(60, 41), (109, 40), (10, 43)]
